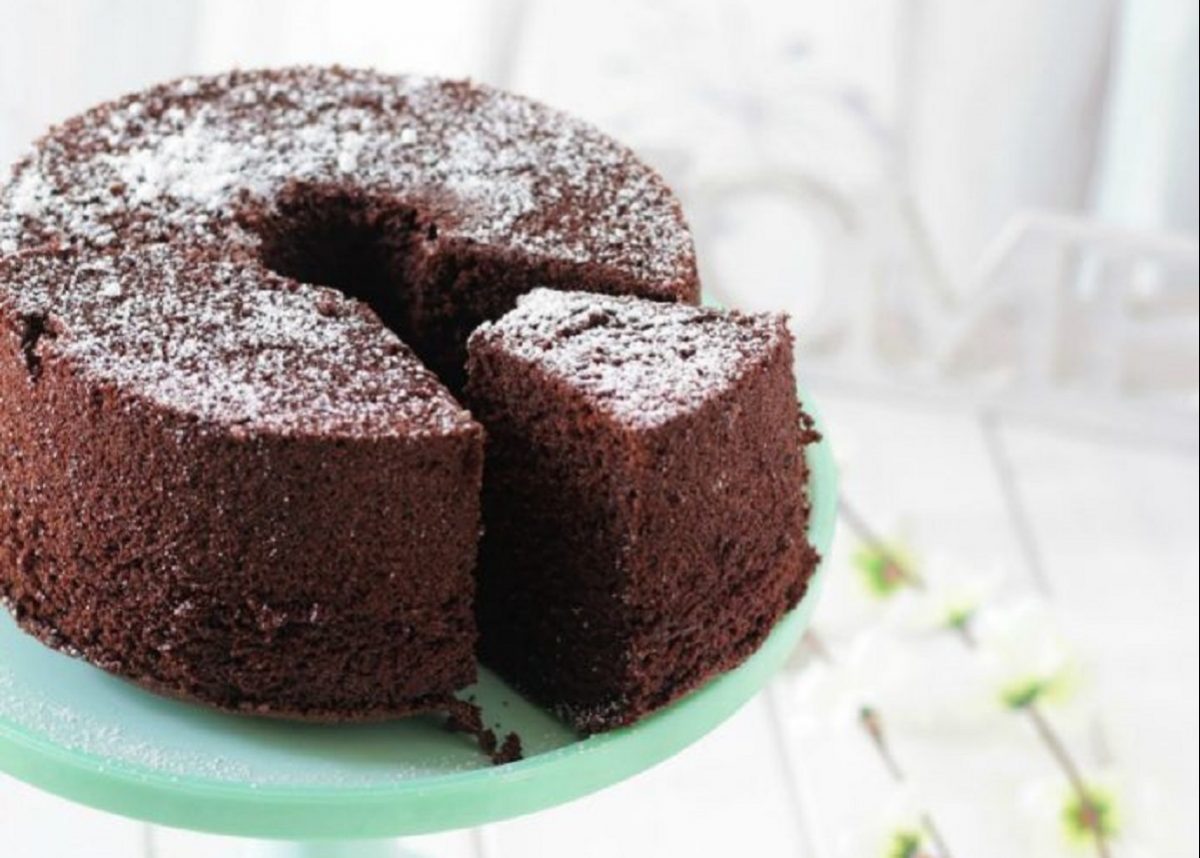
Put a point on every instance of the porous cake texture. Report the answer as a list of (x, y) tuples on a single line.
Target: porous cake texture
[(644, 497)]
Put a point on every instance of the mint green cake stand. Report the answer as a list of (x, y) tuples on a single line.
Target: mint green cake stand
[(75, 731)]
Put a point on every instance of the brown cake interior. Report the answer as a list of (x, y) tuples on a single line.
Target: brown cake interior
[(552, 583), (387, 252), (644, 523)]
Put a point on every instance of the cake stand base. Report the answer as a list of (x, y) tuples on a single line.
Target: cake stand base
[(329, 849)]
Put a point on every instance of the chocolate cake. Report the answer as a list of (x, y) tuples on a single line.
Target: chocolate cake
[(225, 470), (644, 497)]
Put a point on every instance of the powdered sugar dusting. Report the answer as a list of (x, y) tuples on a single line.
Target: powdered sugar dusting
[(188, 154), (642, 361), (30, 194), (193, 166), (146, 193), (223, 343)]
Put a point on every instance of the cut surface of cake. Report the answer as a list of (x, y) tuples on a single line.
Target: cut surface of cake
[(644, 497)]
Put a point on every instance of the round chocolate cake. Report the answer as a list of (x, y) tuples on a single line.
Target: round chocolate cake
[(233, 324)]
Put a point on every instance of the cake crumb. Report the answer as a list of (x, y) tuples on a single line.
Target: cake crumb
[(510, 751), (465, 717)]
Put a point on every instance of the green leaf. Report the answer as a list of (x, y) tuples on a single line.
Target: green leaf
[(904, 844), (1024, 692), (960, 616)]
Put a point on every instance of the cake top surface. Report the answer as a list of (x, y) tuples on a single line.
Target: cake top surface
[(131, 230), (642, 362), (179, 161), (221, 343)]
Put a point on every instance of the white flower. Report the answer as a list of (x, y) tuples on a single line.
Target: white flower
[(854, 596), (867, 670), (1024, 655), (953, 591), (931, 684), (1140, 821), (892, 831)]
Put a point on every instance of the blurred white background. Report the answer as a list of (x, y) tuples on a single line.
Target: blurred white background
[(983, 217)]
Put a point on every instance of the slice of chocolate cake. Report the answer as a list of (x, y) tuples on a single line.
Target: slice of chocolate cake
[(644, 497)]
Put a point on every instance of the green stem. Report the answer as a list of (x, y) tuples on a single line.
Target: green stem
[(966, 634), (817, 644), (935, 836), (873, 724), (1059, 751)]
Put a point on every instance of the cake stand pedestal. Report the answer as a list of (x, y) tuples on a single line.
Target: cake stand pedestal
[(336, 791), (329, 849)]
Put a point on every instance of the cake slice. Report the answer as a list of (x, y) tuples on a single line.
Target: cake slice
[(644, 498)]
